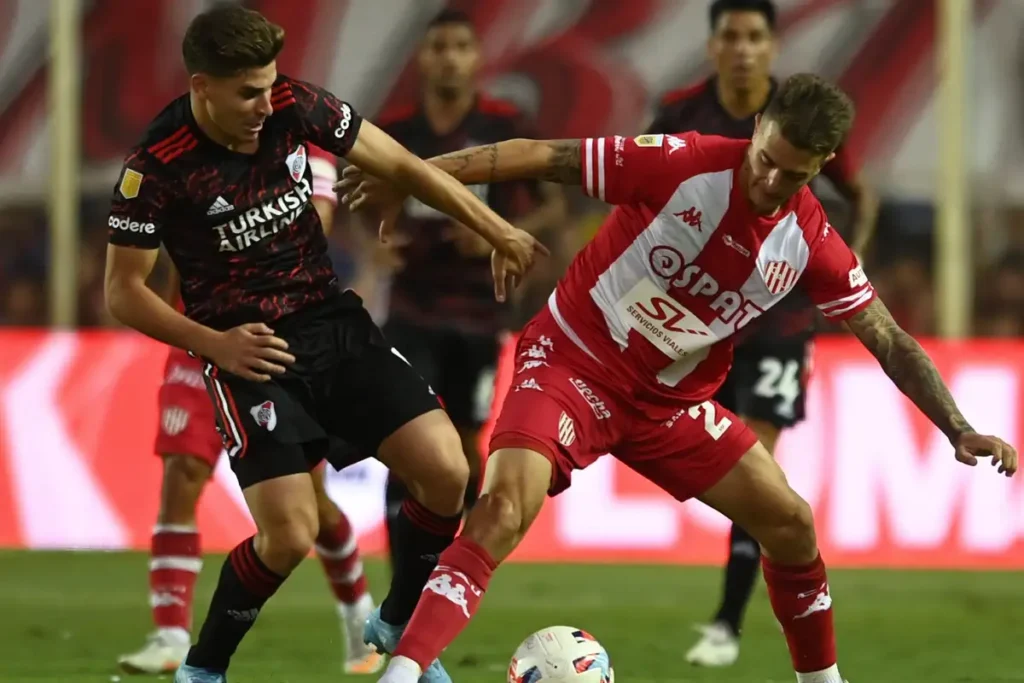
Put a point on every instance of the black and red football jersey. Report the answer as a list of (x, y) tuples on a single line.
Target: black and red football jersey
[(240, 228), (438, 286)]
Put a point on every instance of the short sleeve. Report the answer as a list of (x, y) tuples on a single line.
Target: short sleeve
[(834, 279), (325, 120), (325, 174), (621, 170), (139, 206)]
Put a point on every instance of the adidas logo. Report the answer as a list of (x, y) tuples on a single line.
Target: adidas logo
[(219, 206)]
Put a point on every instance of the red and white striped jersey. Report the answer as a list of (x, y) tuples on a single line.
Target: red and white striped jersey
[(683, 262)]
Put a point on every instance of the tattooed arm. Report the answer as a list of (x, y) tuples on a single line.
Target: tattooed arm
[(554, 160), (909, 367)]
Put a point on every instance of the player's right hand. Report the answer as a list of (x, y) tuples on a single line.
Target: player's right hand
[(521, 249), (970, 446), (252, 352)]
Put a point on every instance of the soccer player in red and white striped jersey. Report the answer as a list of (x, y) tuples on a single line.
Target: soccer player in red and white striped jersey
[(707, 234)]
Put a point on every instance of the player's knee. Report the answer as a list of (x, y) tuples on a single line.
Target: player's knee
[(186, 469), (792, 538), (443, 487), (283, 546)]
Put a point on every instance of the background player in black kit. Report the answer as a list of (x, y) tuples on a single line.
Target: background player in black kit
[(292, 364), (442, 314), (766, 386)]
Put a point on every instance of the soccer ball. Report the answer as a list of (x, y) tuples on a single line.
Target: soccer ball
[(561, 653)]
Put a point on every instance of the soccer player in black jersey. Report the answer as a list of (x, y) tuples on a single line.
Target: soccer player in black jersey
[(442, 314), (767, 384), (293, 365)]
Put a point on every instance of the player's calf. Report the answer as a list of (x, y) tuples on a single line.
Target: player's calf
[(285, 512), (426, 454), (755, 494), (514, 489)]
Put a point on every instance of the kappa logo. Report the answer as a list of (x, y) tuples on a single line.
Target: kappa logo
[(675, 143), (265, 415), (296, 163), (691, 217)]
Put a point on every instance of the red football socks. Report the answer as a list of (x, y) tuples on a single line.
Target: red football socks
[(449, 601), (802, 604)]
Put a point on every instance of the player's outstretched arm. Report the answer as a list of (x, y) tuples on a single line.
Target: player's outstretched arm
[(914, 373), (558, 161), (378, 154)]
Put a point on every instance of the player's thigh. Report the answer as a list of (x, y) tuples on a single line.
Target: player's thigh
[(285, 511), (756, 495), (266, 427), (770, 381), (554, 412), (689, 453), (379, 404), (187, 425)]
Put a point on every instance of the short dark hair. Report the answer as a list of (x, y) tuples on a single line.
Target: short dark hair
[(764, 7), (451, 16), (228, 39), (812, 114)]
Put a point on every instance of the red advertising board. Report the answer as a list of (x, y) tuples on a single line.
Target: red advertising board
[(78, 416)]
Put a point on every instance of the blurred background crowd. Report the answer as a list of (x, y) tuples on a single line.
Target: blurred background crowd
[(616, 62)]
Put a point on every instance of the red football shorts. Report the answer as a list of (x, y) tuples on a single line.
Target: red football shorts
[(187, 425), (564, 405)]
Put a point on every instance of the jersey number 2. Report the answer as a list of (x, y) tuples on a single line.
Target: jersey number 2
[(713, 426)]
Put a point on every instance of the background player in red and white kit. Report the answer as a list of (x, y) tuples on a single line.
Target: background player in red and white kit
[(767, 385), (292, 364), (442, 314), (708, 234), (189, 445)]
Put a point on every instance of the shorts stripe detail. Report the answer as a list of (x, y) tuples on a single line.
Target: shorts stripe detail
[(227, 413)]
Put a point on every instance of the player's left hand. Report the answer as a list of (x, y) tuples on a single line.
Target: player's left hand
[(971, 446), (512, 258), (359, 191)]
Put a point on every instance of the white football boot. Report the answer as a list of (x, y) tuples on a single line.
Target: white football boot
[(164, 651), (360, 658), (717, 647)]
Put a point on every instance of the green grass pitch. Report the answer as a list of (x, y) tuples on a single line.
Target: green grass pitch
[(66, 617)]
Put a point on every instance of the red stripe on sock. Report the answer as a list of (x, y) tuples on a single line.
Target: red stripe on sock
[(172, 590), (175, 544), (347, 585), (429, 521)]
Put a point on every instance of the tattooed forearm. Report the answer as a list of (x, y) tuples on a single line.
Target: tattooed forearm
[(555, 160), (909, 367), (564, 166)]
